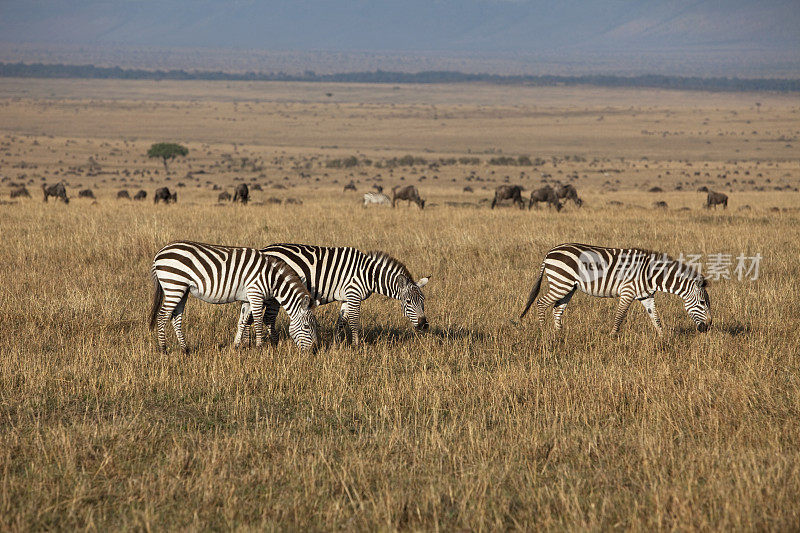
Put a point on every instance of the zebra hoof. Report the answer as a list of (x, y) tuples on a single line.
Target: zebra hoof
[(185, 350)]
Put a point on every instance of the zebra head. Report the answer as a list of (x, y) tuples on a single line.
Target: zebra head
[(698, 304), (303, 326), (413, 301)]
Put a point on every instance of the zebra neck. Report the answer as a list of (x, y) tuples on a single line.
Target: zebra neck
[(672, 279), (384, 277)]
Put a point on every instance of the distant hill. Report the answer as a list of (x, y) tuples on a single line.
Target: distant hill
[(704, 31)]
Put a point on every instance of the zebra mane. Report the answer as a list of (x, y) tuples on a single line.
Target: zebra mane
[(291, 276), (388, 260)]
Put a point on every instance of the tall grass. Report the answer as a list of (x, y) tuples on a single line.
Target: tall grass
[(483, 423)]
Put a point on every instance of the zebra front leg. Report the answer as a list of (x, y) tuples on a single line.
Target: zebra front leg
[(271, 310), (622, 309), (354, 319), (650, 306), (340, 329), (243, 328), (257, 310)]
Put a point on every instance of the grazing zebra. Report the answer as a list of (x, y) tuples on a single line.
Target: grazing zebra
[(224, 274), (346, 275), (627, 273), (376, 198)]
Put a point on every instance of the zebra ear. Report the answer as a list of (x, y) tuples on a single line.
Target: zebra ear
[(306, 302), (424, 281), (402, 281), (703, 283)]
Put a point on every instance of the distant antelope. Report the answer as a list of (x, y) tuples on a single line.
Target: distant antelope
[(716, 198), (163, 194), (241, 193), (545, 194), (628, 273), (569, 192), (408, 193), (376, 198), (57, 191), (508, 192)]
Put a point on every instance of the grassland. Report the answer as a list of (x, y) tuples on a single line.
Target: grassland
[(483, 423)]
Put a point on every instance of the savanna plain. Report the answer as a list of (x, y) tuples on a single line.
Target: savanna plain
[(486, 421)]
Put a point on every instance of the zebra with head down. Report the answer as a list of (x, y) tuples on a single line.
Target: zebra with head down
[(349, 276), (627, 273)]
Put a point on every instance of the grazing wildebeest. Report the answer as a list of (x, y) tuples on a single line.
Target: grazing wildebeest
[(86, 193), (141, 195), (378, 188), (408, 193), (702, 189), (350, 187), (123, 195), (56, 191), (545, 194), (20, 192), (293, 201), (224, 197), (716, 198), (163, 193), (241, 194), (508, 192), (569, 192), (468, 189), (376, 198), (660, 205)]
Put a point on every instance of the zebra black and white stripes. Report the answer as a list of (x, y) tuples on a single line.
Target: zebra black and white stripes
[(225, 274), (350, 276), (376, 198), (628, 273)]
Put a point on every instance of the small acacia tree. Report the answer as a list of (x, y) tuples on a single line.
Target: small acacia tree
[(167, 151)]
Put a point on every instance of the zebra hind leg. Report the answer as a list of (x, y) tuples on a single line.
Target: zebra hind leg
[(558, 308), (177, 322), (553, 295), (172, 298)]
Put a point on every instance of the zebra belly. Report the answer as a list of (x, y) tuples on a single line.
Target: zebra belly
[(238, 296)]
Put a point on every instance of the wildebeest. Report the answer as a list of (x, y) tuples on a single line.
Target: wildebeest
[(350, 187), (163, 193), (702, 189), (56, 191), (376, 198), (378, 188), (716, 198), (241, 194), (123, 195), (86, 193), (224, 196), (141, 195), (508, 192), (293, 201), (660, 205), (545, 194), (408, 193), (20, 192), (569, 192)]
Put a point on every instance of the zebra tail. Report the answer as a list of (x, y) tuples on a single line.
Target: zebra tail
[(158, 296), (534, 292)]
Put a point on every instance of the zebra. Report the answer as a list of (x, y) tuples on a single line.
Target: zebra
[(376, 198), (627, 273), (346, 275), (224, 274)]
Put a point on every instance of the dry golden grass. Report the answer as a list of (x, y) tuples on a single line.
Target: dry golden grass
[(483, 423)]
